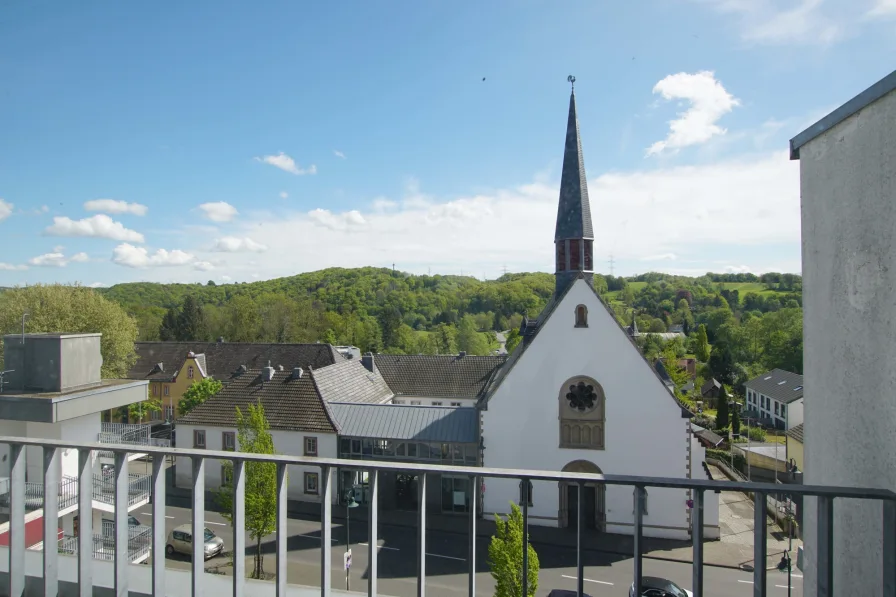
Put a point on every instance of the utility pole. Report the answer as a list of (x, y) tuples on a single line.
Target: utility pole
[(505, 269), (612, 264)]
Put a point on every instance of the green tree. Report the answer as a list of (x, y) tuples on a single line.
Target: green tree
[(446, 338), (722, 418), (142, 410), (469, 339), (513, 338), (190, 323), (735, 420), (677, 373), (505, 557), (73, 309), (168, 327), (701, 347), (254, 437), (197, 393), (721, 363)]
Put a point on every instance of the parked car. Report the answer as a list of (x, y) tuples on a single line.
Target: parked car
[(180, 540), (651, 586)]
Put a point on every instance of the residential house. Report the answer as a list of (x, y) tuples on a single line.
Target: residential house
[(775, 398), (172, 367), (52, 389)]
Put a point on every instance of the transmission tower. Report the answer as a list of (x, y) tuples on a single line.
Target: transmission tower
[(505, 269), (612, 263)]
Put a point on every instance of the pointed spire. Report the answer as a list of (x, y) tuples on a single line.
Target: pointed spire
[(574, 234)]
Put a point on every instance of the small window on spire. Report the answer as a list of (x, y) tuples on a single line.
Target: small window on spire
[(589, 252), (561, 256), (575, 257), (581, 316)]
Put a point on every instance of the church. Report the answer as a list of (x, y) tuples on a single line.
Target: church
[(577, 395)]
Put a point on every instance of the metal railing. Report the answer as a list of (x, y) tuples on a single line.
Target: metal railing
[(824, 545), (139, 488), (139, 544), (66, 495)]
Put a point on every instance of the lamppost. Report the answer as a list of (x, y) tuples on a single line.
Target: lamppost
[(349, 504)]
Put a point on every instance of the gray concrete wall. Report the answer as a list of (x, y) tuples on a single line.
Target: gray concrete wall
[(849, 278), (52, 362), (81, 361)]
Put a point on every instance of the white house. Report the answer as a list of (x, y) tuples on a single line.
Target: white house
[(53, 390), (777, 398), (577, 395)]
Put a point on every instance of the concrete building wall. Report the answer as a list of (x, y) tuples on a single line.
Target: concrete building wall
[(710, 499), (52, 362), (644, 432), (795, 452), (848, 192)]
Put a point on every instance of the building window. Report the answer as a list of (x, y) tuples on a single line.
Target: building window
[(398, 402), (526, 492), (198, 438), (311, 483), (169, 413), (561, 256), (311, 446), (190, 372), (776, 408), (575, 250), (166, 390), (455, 404), (155, 390), (783, 411), (589, 251), (437, 403), (228, 441), (581, 316), (582, 414), (415, 403)]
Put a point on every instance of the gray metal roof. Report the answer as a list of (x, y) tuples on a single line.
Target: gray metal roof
[(859, 102), (777, 384), (397, 421), (574, 210)]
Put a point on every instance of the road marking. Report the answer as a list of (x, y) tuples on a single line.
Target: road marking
[(746, 582), (220, 524), (435, 555), (317, 537), (383, 547), (150, 514), (600, 582), (784, 586)]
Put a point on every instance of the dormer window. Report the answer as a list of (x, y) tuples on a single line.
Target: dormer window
[(581, 316), (190, 372)]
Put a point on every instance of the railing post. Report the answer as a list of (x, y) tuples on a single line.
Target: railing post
[(421, 535), (282, 533), (471, 547), (158, 525), (580, 559), (51, 521), (697, 538), (825, 547), (889, 550), (85, 523), (16, 520), (198, 528), (524, 585), (326, 529), (760, 536), (373, 509), (238, 518), (638, 548), (121, 501)]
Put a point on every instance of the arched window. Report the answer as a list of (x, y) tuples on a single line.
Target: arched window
[(190, 372), (582, 414), (526, 492), (581, 316)]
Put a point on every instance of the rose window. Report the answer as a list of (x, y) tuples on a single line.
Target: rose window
[(581, 397)]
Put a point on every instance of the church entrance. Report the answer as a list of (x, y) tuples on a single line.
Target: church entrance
[(592, 495)]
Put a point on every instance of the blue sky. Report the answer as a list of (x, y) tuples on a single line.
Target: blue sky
[(236, 141)]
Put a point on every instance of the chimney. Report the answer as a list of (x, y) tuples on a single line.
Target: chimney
[(297, 373), (220, 339), (268, 372), (368, 362), (462, 354), (280, 367)]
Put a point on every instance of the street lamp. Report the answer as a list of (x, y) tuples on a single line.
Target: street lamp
[(349, 504)]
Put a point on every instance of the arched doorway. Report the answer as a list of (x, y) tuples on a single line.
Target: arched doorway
[(593, 496)]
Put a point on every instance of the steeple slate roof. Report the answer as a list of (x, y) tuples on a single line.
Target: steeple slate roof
[(574, 210)]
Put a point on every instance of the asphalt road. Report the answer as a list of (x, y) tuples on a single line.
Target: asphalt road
[(446, 565)]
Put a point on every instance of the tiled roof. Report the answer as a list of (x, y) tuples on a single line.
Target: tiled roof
[(574, 209), (222, 359), (708, 436), (777, 384), (796, 432), (290, 404), (397, 422), (349, 381), (448, 376)]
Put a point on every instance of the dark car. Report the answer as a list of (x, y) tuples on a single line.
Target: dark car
[(651, 586), (565, 593)]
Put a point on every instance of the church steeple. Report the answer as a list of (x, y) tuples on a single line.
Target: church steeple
[(574, 236)]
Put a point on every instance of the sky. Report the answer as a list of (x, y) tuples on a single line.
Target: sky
[(241, 141)]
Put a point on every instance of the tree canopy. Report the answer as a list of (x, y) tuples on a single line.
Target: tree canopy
[(197, 393), (505, 557)]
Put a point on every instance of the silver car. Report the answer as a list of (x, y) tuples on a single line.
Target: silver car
[(180, 540)]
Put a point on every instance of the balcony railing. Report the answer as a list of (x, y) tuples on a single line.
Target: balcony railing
[(129, 434), (66, 494), (139, 544), (826, 497), (139, 488)]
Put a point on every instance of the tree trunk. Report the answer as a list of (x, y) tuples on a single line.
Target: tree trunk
[(259, 561)]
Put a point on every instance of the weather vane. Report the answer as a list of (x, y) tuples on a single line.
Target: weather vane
[(572, 81)]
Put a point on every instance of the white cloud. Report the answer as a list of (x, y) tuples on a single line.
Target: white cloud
[(97, 285), (883, 8), (58, 249), (5, 209), (338, 154), (49, 260), (708, 100), (9, 267), (383, 204), (287, 164), (98, 226), (218, 211), (226, 278), (113, 206), (284, 195), (233, 244), (203, 266), (660, 257), (79, 258), (737, 269), (343, 221), (793, 22), (138, 257)]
